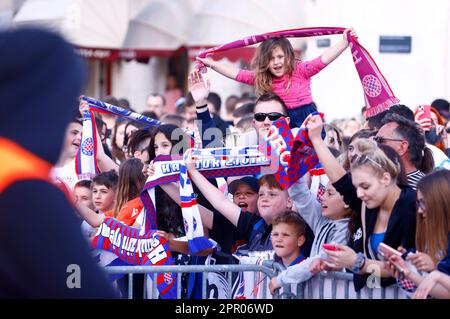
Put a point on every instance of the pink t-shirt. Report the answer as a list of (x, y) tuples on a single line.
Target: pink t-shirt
[(299, 93)]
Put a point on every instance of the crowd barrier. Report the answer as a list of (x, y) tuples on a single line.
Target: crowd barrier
[(331, 285)]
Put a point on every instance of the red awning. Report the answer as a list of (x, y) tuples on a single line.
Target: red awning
[(110, 55)]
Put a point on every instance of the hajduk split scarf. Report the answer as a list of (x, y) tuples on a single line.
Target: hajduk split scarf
[(290, 157), (212, 163), (192, 221), (106, 108), (86, 159), (135, 249), (377, 93)]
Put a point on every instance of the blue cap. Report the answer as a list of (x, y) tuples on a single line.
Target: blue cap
[(249, 180)]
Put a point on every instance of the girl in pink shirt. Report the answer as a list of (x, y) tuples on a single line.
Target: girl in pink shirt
[(277, 70)]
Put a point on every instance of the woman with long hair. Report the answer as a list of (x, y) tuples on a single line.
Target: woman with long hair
[(432, 234), (386, 211)]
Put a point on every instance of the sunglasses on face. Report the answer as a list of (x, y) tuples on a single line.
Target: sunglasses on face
[(383, 140), (273, 116)]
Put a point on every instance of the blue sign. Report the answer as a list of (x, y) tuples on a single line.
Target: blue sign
[(395, 44), (323, 43)]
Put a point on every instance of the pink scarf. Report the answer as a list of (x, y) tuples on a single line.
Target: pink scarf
[(377, 93)]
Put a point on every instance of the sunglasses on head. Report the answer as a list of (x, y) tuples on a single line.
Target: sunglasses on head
[(273, 116), (382, 140), (362, 159)]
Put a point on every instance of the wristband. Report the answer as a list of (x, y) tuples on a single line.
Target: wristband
[(359, 263)]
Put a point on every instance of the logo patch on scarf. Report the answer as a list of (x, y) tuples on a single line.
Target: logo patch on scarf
[(88, 147), (371, 85)]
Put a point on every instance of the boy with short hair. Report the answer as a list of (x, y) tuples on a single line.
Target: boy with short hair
[(83, 193), (104, 191), (288, 236)]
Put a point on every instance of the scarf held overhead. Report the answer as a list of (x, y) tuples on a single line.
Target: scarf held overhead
[(86, 160), (377, 92), (103, 107)]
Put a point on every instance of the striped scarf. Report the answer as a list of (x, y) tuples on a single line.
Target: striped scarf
[(86, 159)]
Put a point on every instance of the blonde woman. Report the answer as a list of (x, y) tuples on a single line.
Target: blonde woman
[(386, 211)]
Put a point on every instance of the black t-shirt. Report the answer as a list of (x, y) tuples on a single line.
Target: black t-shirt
[(225, 234), (255, 230)]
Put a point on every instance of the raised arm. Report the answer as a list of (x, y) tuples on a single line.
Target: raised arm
[(104, 162), (200, 91), (333, 52), (226, 70), (91, 217), (221, 203), (307, 204), (333, 168)]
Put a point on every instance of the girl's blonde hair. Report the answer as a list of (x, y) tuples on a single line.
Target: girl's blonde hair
[(260, 63), (369, 154), (432, 231)]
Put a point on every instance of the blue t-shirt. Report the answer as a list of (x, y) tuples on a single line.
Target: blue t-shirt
[(375, 241)]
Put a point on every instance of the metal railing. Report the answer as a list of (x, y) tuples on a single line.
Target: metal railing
[(155, 270), (331, 285)]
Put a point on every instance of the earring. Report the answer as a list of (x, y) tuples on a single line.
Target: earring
[(346, 206)]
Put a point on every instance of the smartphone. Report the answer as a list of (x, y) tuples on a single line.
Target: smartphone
[(426, 112), (386, 251), (330, 247)]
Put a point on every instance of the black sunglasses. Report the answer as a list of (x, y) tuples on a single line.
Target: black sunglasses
[(273, 116), (382, 140)]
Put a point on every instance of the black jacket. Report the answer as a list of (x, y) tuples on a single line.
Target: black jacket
[(41, 244), (401, 229)]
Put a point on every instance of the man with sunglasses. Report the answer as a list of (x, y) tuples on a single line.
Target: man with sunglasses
[(268, 108), (407, 139)]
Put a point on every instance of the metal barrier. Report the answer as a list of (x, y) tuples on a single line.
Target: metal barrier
[(155, 270), (331, 285), (338, 285)]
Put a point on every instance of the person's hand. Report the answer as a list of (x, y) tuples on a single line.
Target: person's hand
[(315, 126), (189, 161), (442, 132), (343, 257), (207, 61), (352, 33), (83, 106), (163, 234), (273, 285), (424, 122), (151, 169), (397, 266), (198, 88), (316, 266), (426, 285), (422, 261)]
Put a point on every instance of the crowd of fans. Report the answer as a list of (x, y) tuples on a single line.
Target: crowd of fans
[(387, 179)]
